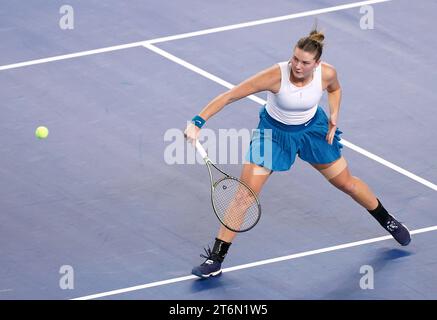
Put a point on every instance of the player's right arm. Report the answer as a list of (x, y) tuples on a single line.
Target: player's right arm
[(266, 80)]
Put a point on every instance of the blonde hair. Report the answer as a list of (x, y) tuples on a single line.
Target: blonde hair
[(313, 43)]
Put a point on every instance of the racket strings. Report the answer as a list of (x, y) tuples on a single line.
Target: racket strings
[(235, 205)]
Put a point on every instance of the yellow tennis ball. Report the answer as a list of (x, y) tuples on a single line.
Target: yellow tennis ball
[(41, 132)]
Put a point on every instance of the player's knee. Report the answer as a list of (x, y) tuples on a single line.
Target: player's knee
[(243, 198), (348, 186)]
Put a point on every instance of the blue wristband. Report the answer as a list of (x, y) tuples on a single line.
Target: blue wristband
[(198, 121)]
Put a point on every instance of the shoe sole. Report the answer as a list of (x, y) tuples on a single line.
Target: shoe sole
[(204, 276)]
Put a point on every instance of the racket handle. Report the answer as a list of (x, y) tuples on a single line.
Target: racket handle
[(201, 150)]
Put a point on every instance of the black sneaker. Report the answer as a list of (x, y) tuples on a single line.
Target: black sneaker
[(398, 230), (210, 268)]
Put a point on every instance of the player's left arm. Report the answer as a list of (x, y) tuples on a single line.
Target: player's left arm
[(334, 98)]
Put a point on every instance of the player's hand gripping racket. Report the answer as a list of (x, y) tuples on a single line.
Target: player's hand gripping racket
[(234, 203)]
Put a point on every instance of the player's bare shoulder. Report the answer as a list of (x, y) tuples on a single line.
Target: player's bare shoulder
[(329, 74), (268, 79), (274, 75), (265, 80)]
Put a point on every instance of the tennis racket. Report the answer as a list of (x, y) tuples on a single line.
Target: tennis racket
[(234, 203)]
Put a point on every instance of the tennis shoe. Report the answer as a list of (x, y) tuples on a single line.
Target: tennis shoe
[(211, 267), (398, 230)]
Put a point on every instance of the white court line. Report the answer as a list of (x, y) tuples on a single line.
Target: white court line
[(202, 72), (190, 34), (70, 56), (390, 165), (265, 21), (251, 265), (348, 144)]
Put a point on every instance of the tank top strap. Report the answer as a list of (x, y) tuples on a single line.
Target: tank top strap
[(318, 76), (285, 73)]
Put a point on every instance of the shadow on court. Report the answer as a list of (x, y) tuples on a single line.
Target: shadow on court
[(382, 263), (207, 283)]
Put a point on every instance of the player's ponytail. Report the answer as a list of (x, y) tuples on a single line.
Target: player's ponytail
[(313, 43)]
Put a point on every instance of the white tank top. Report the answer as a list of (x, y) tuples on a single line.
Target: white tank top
[(294, 105)]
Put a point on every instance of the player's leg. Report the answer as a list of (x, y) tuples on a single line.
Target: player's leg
[(338, 174), (255, 177)]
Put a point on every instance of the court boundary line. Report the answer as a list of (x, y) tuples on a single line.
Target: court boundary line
[(251, 265), (254, 98), (191, 34)]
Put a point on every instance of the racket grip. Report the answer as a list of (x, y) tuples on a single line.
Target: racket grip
[(201, 150)]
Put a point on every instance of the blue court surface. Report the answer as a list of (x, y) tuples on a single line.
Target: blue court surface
[(98, 211)]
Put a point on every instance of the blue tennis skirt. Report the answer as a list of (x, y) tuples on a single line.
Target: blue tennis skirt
[(274, 145)]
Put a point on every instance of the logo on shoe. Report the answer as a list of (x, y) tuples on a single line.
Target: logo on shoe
[(391, 225)]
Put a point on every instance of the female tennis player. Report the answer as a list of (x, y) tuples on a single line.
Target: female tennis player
[(298, 126)]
